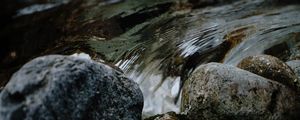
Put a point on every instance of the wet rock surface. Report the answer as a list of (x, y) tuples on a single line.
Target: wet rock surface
[(217, 91), (167, 116), (281, 51), (271, 68), (59, 88)]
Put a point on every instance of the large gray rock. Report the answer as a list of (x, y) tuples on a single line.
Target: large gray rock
[(217, 91), (69, 88), (270, 67)]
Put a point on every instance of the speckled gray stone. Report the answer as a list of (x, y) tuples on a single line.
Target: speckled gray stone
[(216, 91), (69, 88)]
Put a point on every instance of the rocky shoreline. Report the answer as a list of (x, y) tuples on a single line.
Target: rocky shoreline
[(67, 87), (151, 59)]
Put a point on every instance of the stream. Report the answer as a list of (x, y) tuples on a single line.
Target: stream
[(166, 49), (157, 43)]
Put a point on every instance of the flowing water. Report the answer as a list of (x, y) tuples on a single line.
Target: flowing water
[(159, 54), (40, 7), (165, 40)]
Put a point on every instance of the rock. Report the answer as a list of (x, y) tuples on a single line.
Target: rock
[(167, 116), (281, 51), (216, 91), (63, 88), (270, 67), (295, 66)]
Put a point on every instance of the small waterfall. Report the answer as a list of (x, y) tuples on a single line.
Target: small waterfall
[(160, 53)]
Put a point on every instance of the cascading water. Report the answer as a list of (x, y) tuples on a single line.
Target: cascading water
[(160, 53)]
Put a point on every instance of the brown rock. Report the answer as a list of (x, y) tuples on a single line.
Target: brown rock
[(167, 116), (215, 91), (270, 67)]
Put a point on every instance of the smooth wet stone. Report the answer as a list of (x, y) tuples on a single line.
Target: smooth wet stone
[(270, 67), (217, 91), (69, 88)]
